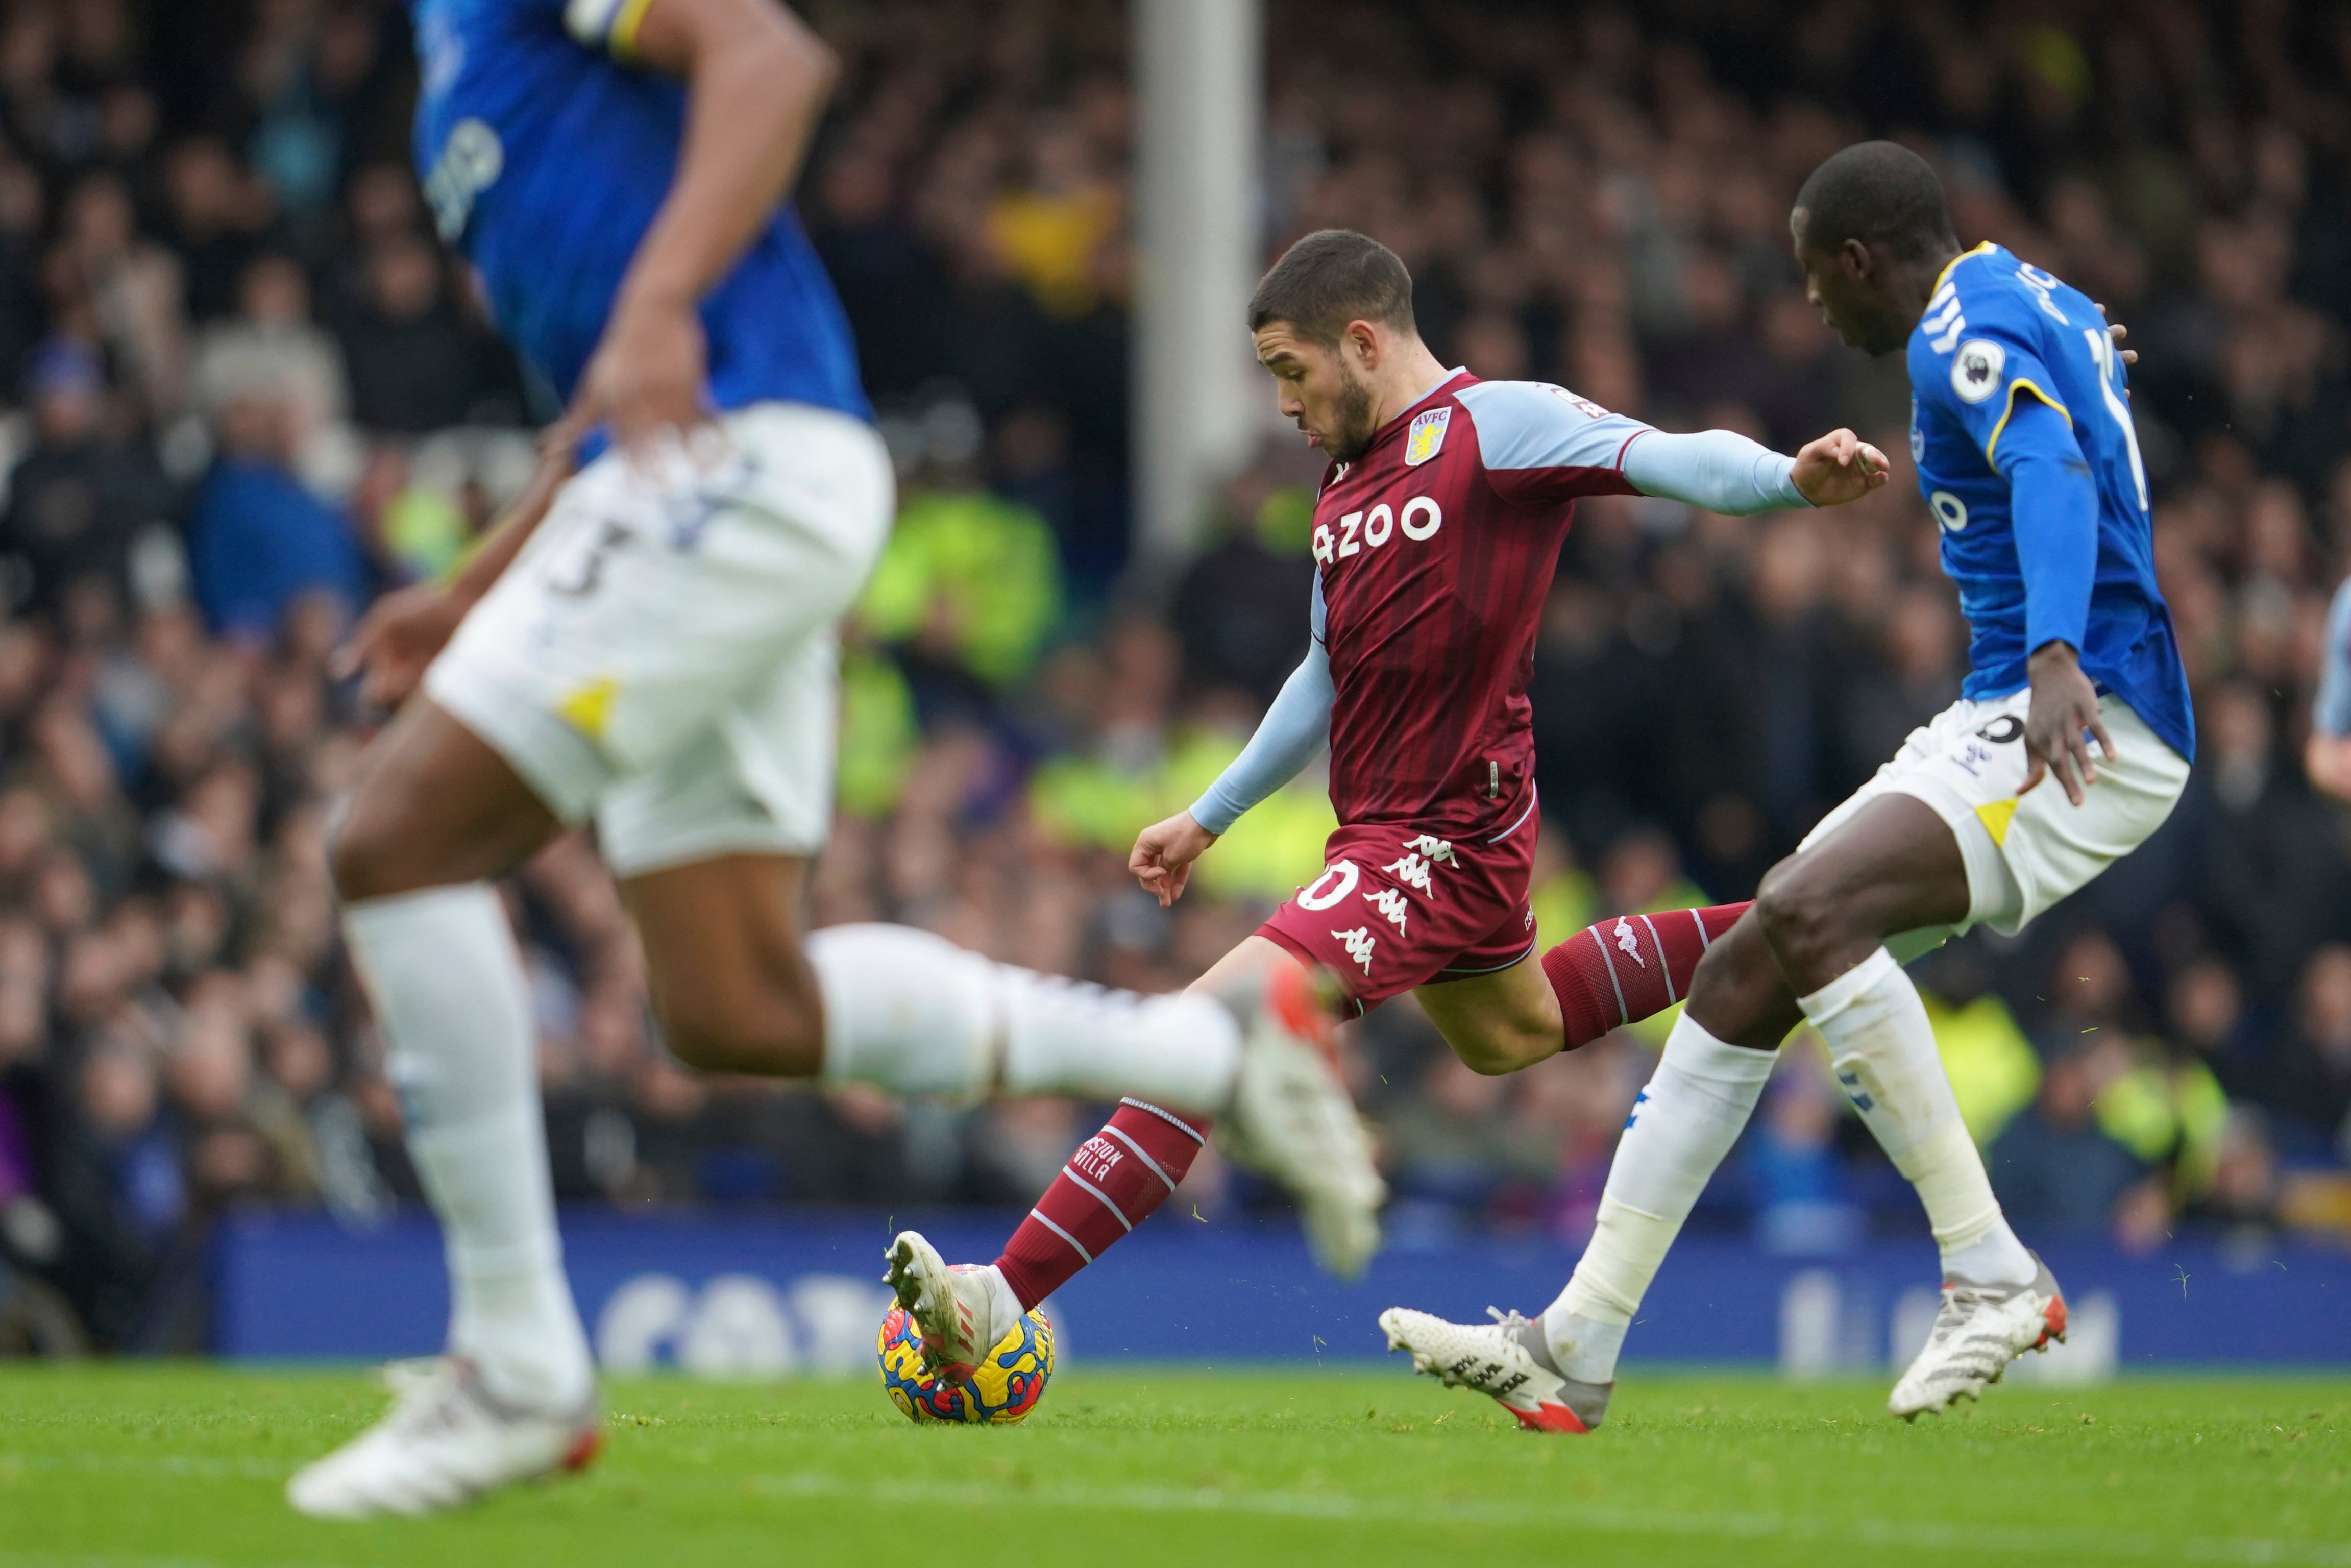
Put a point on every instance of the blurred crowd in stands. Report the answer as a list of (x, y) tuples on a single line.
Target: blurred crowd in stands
[(244, 390)]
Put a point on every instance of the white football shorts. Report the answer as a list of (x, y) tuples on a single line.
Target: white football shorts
[(663, 653), (2023, 852)]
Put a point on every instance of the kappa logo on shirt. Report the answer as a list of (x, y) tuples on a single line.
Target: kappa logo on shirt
[(1359, 942), (1426, 437)]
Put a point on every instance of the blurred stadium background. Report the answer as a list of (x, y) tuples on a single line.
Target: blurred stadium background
[(244, 392)]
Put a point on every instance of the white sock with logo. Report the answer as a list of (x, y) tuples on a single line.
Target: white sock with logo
[(1688, 1118), (455, 1011), (912, 1012), (1881, 1049)]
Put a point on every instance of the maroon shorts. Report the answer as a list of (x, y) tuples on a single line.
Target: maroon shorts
[(1394, 909)]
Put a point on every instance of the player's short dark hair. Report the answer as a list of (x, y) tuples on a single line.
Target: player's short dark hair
[(1328, 278), (1880, 193)]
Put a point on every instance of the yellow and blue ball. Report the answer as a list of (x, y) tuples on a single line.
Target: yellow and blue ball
[(1009, 1381)]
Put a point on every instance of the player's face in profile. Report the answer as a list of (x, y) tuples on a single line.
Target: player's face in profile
[(1851, 305), (1318, 390)]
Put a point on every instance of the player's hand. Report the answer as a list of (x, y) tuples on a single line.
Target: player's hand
[(2064, 706), (646, 376), (1838, 468), (1163, 853), (2327, 758), (2118, 332), (397, 638)]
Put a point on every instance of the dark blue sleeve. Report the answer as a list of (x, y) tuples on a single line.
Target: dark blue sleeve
[(2053, 506)]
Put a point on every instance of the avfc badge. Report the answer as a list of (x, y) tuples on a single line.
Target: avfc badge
[(1426, 437), (1975, 369)]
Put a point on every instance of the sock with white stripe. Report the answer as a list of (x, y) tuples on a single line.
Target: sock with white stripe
[(1881, 1049), (1688, 1118), (1631, 968), (1116, 1179)]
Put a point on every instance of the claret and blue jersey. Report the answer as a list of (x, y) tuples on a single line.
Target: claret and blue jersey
[(1998, 333), (544, 155)]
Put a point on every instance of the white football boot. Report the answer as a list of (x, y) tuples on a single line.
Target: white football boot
[(446, 1440), (962, 1309), (1977, 1332), (1291, 1118), (1507, 1359)]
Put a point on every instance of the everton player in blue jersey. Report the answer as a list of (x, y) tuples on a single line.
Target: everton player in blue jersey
[(2069, 746), (650, 643)]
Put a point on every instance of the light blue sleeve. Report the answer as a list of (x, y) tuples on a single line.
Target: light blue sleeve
[(1719, 470), (2331, 715), (1293, 733)]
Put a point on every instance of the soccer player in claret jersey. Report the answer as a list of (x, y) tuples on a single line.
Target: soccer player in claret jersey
[(2069, 746), (1436, 535), (652, 643)]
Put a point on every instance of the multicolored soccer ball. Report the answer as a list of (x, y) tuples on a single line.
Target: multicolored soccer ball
[(1011, 1380)]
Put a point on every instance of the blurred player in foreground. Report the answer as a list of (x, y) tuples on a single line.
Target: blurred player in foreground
[(2069, 746), (652, 643), (1436, 535)]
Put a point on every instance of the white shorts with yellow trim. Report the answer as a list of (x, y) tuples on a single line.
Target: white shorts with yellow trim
[(2023, 852), (663, 653)]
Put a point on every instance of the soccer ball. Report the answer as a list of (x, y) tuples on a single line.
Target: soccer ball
[(1011, 1380)]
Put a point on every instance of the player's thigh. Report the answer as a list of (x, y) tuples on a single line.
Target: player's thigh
[(1499, 1022), (435, 805), (725, 957), (1250, 955), (1893, 865)]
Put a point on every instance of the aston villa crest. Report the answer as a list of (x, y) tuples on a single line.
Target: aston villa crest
[(1427, 437)]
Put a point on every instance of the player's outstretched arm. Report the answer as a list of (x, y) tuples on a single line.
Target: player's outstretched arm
[(1294, 731), (756, 80), (1723, 471)]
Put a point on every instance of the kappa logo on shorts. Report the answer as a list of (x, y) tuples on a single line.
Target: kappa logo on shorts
[(1432, 846), (1410, 869), (1359, 942), (1392, 903)]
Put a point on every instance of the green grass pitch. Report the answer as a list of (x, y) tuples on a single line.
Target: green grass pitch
[(181, 1467)]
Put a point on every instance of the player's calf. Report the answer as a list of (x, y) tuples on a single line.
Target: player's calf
[(1631, 968)]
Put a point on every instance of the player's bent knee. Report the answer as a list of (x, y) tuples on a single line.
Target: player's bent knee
[(1798, 912), (363, 854), (769, 1039)]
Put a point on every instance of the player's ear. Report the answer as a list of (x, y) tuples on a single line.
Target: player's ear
[(1855, 258), (1364, 338)]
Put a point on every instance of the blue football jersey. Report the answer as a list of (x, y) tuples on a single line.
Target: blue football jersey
[(1996, 329), (544, 155)]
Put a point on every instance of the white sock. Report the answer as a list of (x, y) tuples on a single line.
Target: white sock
[(1688, 1118), (1883, 1052), (451, 1001), (1004, 1303), (914, 1013)]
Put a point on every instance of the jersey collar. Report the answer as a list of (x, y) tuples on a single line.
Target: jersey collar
[(1396, 423), (1942, 277)]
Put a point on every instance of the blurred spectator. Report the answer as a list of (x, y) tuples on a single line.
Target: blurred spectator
[(257, 540), (81, 499), (2054, 1167), (416, 364)]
